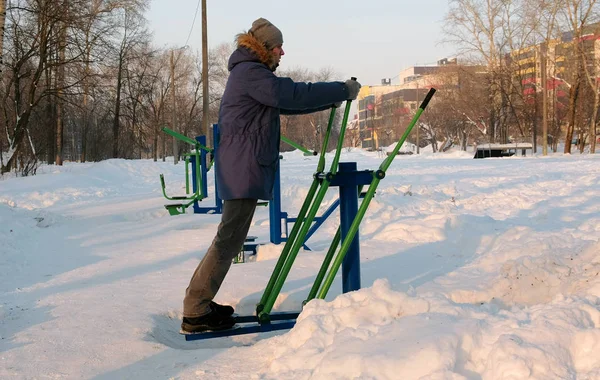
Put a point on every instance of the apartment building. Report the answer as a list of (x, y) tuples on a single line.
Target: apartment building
[(385, 110)]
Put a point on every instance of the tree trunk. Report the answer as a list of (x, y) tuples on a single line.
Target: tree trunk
[(60, 85), (164, 147), (59, 123), (155, 144), (86, 90), (573, 94), (592, 131), (49, 122), (2, 22), (15, 147), (84, 129), (116, 122), (24, 107)]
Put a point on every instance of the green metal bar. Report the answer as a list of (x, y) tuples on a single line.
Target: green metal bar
[(268, 306), (388, 161), (199, 187), (297, 146), (198, 194), (288, 245), (174, 198), (299, 219), (327, 261), (185, 139), (187, 174), (321, 164), (263, 315), (367, 200), (340, 144), (323, 270)]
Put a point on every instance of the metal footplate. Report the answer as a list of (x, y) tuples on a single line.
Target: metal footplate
[(249, 324)]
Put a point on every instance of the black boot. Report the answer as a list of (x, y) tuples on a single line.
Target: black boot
[(212, 321), (224, 310)]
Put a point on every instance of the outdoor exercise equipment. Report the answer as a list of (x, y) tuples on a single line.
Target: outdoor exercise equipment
[(197, 160), (350, 181), (199, 178)]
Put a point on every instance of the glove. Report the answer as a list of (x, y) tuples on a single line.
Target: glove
[(353, 87), (337, 105)]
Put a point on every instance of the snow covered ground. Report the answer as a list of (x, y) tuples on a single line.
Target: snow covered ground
[(471, 269)]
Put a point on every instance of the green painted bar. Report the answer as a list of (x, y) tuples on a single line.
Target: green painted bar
[(297, 146), (326, 262), (367, 200), (299, 220), (267, 306)]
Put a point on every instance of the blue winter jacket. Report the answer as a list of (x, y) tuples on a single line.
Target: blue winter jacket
[(248, 152)]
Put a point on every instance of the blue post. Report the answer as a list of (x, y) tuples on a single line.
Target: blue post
[(275, 208), (216, 138), (348, 211)]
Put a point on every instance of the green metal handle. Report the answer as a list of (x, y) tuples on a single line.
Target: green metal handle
[(340, 144), (285, 270), (186, 139), (286, 249), (299, 147), (299, 220), (388, 161), (269, 298), (367, 200), (321, 164)]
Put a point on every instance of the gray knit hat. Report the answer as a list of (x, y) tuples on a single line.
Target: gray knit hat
[(267, 33)]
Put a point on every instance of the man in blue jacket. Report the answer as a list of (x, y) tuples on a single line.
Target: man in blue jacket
[(248, 155)]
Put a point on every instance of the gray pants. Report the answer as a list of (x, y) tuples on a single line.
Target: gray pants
[(209, 275)]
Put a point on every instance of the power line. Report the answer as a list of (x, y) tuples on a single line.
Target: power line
[(193, 23)]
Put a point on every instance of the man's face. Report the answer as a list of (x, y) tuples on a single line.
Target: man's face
[(278, 53)]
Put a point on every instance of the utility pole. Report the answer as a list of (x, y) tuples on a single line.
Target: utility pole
[(205, 76), (173, 117), (544, 51)]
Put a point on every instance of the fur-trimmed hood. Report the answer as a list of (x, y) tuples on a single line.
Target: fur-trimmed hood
[(251, 50)]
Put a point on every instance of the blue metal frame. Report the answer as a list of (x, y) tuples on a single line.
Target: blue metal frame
[(348, 180), (255, 328), (318, 221), (275, 213), (278, 218)]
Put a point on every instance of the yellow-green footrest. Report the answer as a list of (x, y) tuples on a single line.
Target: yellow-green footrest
[(175, 209)]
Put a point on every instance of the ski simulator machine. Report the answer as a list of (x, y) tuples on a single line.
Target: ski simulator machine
[(344, 250)]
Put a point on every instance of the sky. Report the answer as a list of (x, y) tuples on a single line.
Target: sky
[(470, 270), (369, 40)]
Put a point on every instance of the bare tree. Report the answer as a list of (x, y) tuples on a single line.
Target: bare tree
[(132, 35), (32, 34), (309, 130), (577, 15), (481, 30), (2, 23)]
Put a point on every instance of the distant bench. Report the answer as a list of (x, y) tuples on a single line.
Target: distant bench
[(501, 150)]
